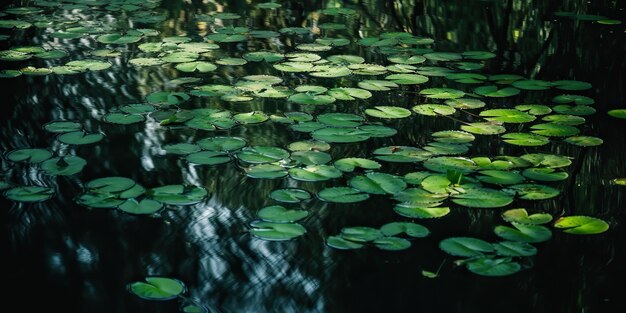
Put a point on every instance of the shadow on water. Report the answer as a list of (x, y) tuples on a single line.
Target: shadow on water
[(62, 256)]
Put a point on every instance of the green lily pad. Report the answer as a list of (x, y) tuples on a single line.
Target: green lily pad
[(581, 225), (224, 144), (571, 85), (534, 109), (254, 117), (280, 214), (80, 138), (29, 193), (618, 113), (167, 98), (349, 94), (109, 185), (179, 194), (500, 177), (157, 288), (290, 195), (493, 267), (584, 141), (342, 195), (465, 103), (308, 145), (266, 171), (314, 173), (262, 154), (494, 92), (341, 243), (445, 164), (340, 135), (143, 207), (521, 216), (208, 158), (488, 128), (377, 85), (64, 166), (392, 243), (554, 130), (525, 139), (401, 154), (453, 136), (311, 157), (350, 164), (307, 98), (29, 155), (524, 233), (117, 39), (578, 110), (390, 112), (442, 93), (123, 119), (547, 160), (507, 116), (465, 246), (361, 233), (418, 211), (340, 119), (443, 56), (407, 79), (576, 99), (514, 249), (482, 198), (532, 84), (378, 183), (544, 174), (202, 67), (276, 231), (433, 109), (534, 191), (410, 229), (181, 148)]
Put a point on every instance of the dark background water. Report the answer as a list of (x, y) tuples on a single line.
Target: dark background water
[(63, 257)]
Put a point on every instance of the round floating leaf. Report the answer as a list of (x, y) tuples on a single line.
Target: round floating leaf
[(113, 184), (231, 61), (435, 71), (340, 135), (534, 191), (442, 93), (507, 116), (443, 56), (276, 231), (349, 94), (378, 131), (453, 136), (531, 84), (407, 59), (143, 207), (420, 197), (361, 233), (410, 229), (307, 98), (378, 183), (290, 195), (32, 155), (262, 154), (619, 181), (123, 119), (534, 109), (467, 78), (525, 139), (340, 119), (500, 177), (584, 141), (29, 193), (494, 92), (547, 160), (315, 173), (544, 174), (280, 214), (342, 59), (581, 225), (482, 198), (618, 113), (392, 243), (388, 112), (80, 138), (181, 148), (407, 79), (65, 166), (167, 98), (145, 61), (571, 85), (202, 67), (524, 233), (493, 267), (311, 157), (157, 288), (267, 171), (32, 71), (465, 103), (179, 194), (342, 195), (465, 246), (521, 216), (514, 248), (308, 145), (576, 99), (208, 158), (260, 56), (251, 117), (15, 24), (117, 39), (433, 109), (62, 126), (377, 85), (484, 128), (578, 110), (340, 243), (415, 211), (10, 73), (100, 200), (308, 127), (350, 164), (554, 129), (445, 164), (401, 154), (226, 144)]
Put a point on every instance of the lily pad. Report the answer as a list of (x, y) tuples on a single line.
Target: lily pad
[(29, 193), (378, 183), (465, 246), (179, 194), (29, 155), (350, 164), (521, 216), (143, 207), (417, 211), (290, 195), (493, 266), (581, 225), (342, 195), (392, 243), (584, 141), (410, 229), (80, 138), (524, 233), (390, 112), (314, 173), (341, 243), (280, 214), (266, 171), (63, 166), (276, 231), (157, 288)]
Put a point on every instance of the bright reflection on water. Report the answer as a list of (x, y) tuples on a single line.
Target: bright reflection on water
[(80, 260)]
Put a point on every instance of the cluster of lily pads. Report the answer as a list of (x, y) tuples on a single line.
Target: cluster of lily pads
[(506, 257), (480, 103)]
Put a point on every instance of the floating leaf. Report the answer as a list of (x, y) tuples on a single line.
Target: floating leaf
[(349, 94), (392, 243), (32, 155), (494, 92), (290, 195), (208, 158), (524, 233), (521, 216), (433, 109), (276, 231), (525, 139), (262, 154), (417, 211), (514, 248), (482, 198), (341, 243), (157, 288), (401, 154), (377, 85), (181, 148), (280, 214), (388, 112), (407, 79), (202, 67), (123, 119), (29, 193), (442, 93), (267, 171), (500, 177), (315, 173), (493, 267), (465, 246), (378, 183), (544, 174), (581, 225), (584, 141), (350, 164), (143, 207), (340, 135), (306, 98), (576, 99), (80, 138), (618, 113), (531, 84), (342, 195), (410, 229), (179, 194), (534, 191), (507, 116), (64, 166), (225, 144)]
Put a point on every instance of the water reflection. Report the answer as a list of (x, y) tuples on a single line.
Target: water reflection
[(81, 260)]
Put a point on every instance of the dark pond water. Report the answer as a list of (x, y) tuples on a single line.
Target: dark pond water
[(63, 256)]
